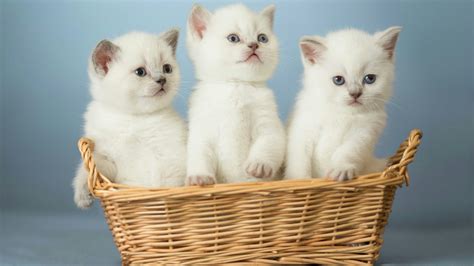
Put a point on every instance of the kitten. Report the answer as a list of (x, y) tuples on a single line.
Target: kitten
[(139, 139), (340, 112), (235, 134)]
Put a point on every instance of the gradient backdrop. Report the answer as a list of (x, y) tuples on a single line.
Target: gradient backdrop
[(44, 91)]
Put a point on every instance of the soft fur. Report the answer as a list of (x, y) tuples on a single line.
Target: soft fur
[(331, 135), (139, 139), (235, 134)]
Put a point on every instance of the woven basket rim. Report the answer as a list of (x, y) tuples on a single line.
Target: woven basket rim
[(394, 175)]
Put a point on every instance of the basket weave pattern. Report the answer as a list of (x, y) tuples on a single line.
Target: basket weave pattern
[(290, 221)]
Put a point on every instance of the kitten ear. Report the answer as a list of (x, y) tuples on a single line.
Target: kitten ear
[(388, 39), (312, 48), (269, 13), (198, 21), (103, 54), (171, 38)]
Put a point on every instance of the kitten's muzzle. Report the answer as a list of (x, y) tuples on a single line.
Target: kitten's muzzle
[(355, 94), (253, 46), (161, 81)]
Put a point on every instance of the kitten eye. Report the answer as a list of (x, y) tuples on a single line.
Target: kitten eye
[(338, 80), (167, 68), (233, 38), (262, 38), (141, 72), (370, 78)]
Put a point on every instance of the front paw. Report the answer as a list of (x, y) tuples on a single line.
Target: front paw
[(200, 180), (342, 174), (83, 199), (259, 169)]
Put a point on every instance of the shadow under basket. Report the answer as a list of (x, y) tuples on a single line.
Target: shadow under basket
[(284, 222)]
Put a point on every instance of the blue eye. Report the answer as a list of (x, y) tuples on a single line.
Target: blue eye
[(234, 38), (262, 38), (370, 78), (338, 80), (141, 72)]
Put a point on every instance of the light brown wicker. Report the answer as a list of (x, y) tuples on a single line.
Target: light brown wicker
[(290, 222)]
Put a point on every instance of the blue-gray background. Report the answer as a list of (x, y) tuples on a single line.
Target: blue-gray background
[(44, 91)]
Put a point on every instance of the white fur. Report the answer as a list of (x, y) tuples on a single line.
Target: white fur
[(139, 139), (328, 137), (235, 134)]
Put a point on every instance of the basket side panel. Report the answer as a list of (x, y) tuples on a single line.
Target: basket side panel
[(114, 221), (389, 196), (344, 226), (323, 226)]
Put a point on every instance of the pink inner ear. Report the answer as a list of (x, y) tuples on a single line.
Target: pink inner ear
[(102, 60), (390, 48), (309, 52), (199, 26), (390, 54)]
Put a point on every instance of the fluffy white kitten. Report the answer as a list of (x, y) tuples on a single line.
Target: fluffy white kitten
[(340, 112), (139, 139), (235, 134)]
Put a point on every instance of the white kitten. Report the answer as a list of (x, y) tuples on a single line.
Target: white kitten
[(340, 112), (139, 139), (235, 134)]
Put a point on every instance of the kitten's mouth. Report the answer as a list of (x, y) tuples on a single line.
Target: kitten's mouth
[(355, 103), (253, 57), (162, 91), (159, 92)]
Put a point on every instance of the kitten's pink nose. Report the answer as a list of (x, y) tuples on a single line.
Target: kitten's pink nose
[(253, 46), (161, 81), (355, 95)]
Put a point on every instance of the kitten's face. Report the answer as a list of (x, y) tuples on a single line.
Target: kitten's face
[(234, 43), (351, 69), (136, 73)]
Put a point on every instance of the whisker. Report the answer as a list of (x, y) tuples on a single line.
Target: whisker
[(384, 101)]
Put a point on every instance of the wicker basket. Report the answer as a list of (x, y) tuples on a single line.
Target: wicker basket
[(290, 221)]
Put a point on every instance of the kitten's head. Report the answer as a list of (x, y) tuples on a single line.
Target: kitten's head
[(137, 72), (233, 43), (351, 69)]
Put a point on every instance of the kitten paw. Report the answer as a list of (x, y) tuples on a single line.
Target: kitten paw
[(83, 199), (342, 174), (259, 170), (200, 180)]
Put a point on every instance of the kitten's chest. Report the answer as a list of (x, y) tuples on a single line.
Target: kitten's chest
[(129, 138), (230, 115), (237, 98), (335, 129), (236, 112), (228, 104)]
